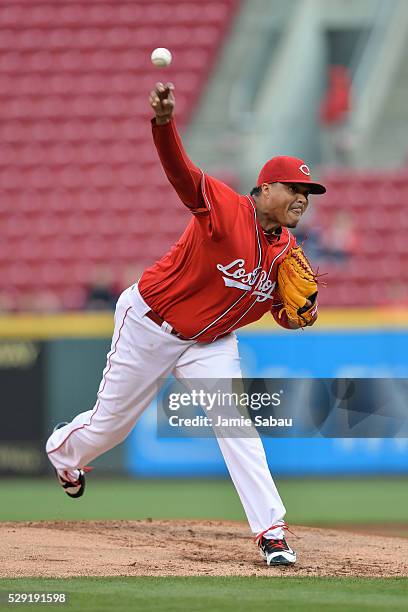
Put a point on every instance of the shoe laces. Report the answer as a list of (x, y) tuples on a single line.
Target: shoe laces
[(66, 478), (281, 544), (258, 538)]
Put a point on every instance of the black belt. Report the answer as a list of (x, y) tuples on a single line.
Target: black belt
[(153, 316)]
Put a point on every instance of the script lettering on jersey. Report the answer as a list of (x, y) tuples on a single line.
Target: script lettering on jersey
[(257, 281)]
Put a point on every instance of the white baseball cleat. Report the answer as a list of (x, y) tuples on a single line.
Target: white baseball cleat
[(276, 552)]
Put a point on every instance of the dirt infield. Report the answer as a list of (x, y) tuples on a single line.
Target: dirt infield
[(187, 548)]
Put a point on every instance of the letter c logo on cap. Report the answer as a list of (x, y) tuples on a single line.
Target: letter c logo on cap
[(305, 169)]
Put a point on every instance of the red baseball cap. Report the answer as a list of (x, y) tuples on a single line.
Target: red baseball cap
[(285, 169)]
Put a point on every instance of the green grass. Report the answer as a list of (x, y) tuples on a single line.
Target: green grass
[(233, 594), (308, 501)]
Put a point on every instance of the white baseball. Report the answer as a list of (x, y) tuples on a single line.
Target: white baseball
[(161, 57)]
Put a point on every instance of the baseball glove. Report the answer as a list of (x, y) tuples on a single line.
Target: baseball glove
[(297, 285)]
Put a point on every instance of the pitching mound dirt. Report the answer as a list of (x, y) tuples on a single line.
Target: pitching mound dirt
[(187, 548)]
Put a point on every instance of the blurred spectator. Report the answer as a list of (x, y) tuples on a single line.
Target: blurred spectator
[(45, 301), (336, 242), (310, 234), (334, 112), (340, 238), (310, 237), (101, 293)]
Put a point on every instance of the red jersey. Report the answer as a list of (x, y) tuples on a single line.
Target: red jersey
[(222, 272)]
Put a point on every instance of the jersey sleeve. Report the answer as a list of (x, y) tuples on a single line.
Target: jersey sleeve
[(219, 215), (281, 318), (212, 202), (181, 172)]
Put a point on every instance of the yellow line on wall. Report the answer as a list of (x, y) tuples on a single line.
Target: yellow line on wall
[(67, 325), (100, 324), (334, 319)]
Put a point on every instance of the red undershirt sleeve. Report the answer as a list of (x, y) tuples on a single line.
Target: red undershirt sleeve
[(282, 320), (180, 170), (278, 312)]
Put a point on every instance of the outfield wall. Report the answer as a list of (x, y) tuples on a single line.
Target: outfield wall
[(50, 368), (315, 354)]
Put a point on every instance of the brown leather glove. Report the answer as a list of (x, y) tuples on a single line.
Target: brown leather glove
[(297, 285)]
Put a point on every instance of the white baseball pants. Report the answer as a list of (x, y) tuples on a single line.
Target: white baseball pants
[(141, 354)]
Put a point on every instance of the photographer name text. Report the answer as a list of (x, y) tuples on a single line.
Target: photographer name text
[(220, 421)]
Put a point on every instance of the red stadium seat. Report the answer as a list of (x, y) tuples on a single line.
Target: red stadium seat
[(80, 181)]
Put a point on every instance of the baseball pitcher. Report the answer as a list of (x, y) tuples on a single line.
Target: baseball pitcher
[(235, 261)]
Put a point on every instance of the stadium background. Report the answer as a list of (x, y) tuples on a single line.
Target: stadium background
[(84, 207)]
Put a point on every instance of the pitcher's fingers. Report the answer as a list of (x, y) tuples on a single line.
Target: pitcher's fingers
[(154, 99)]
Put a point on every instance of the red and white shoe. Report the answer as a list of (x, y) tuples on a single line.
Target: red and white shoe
[(73, 488), (276, 552)]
